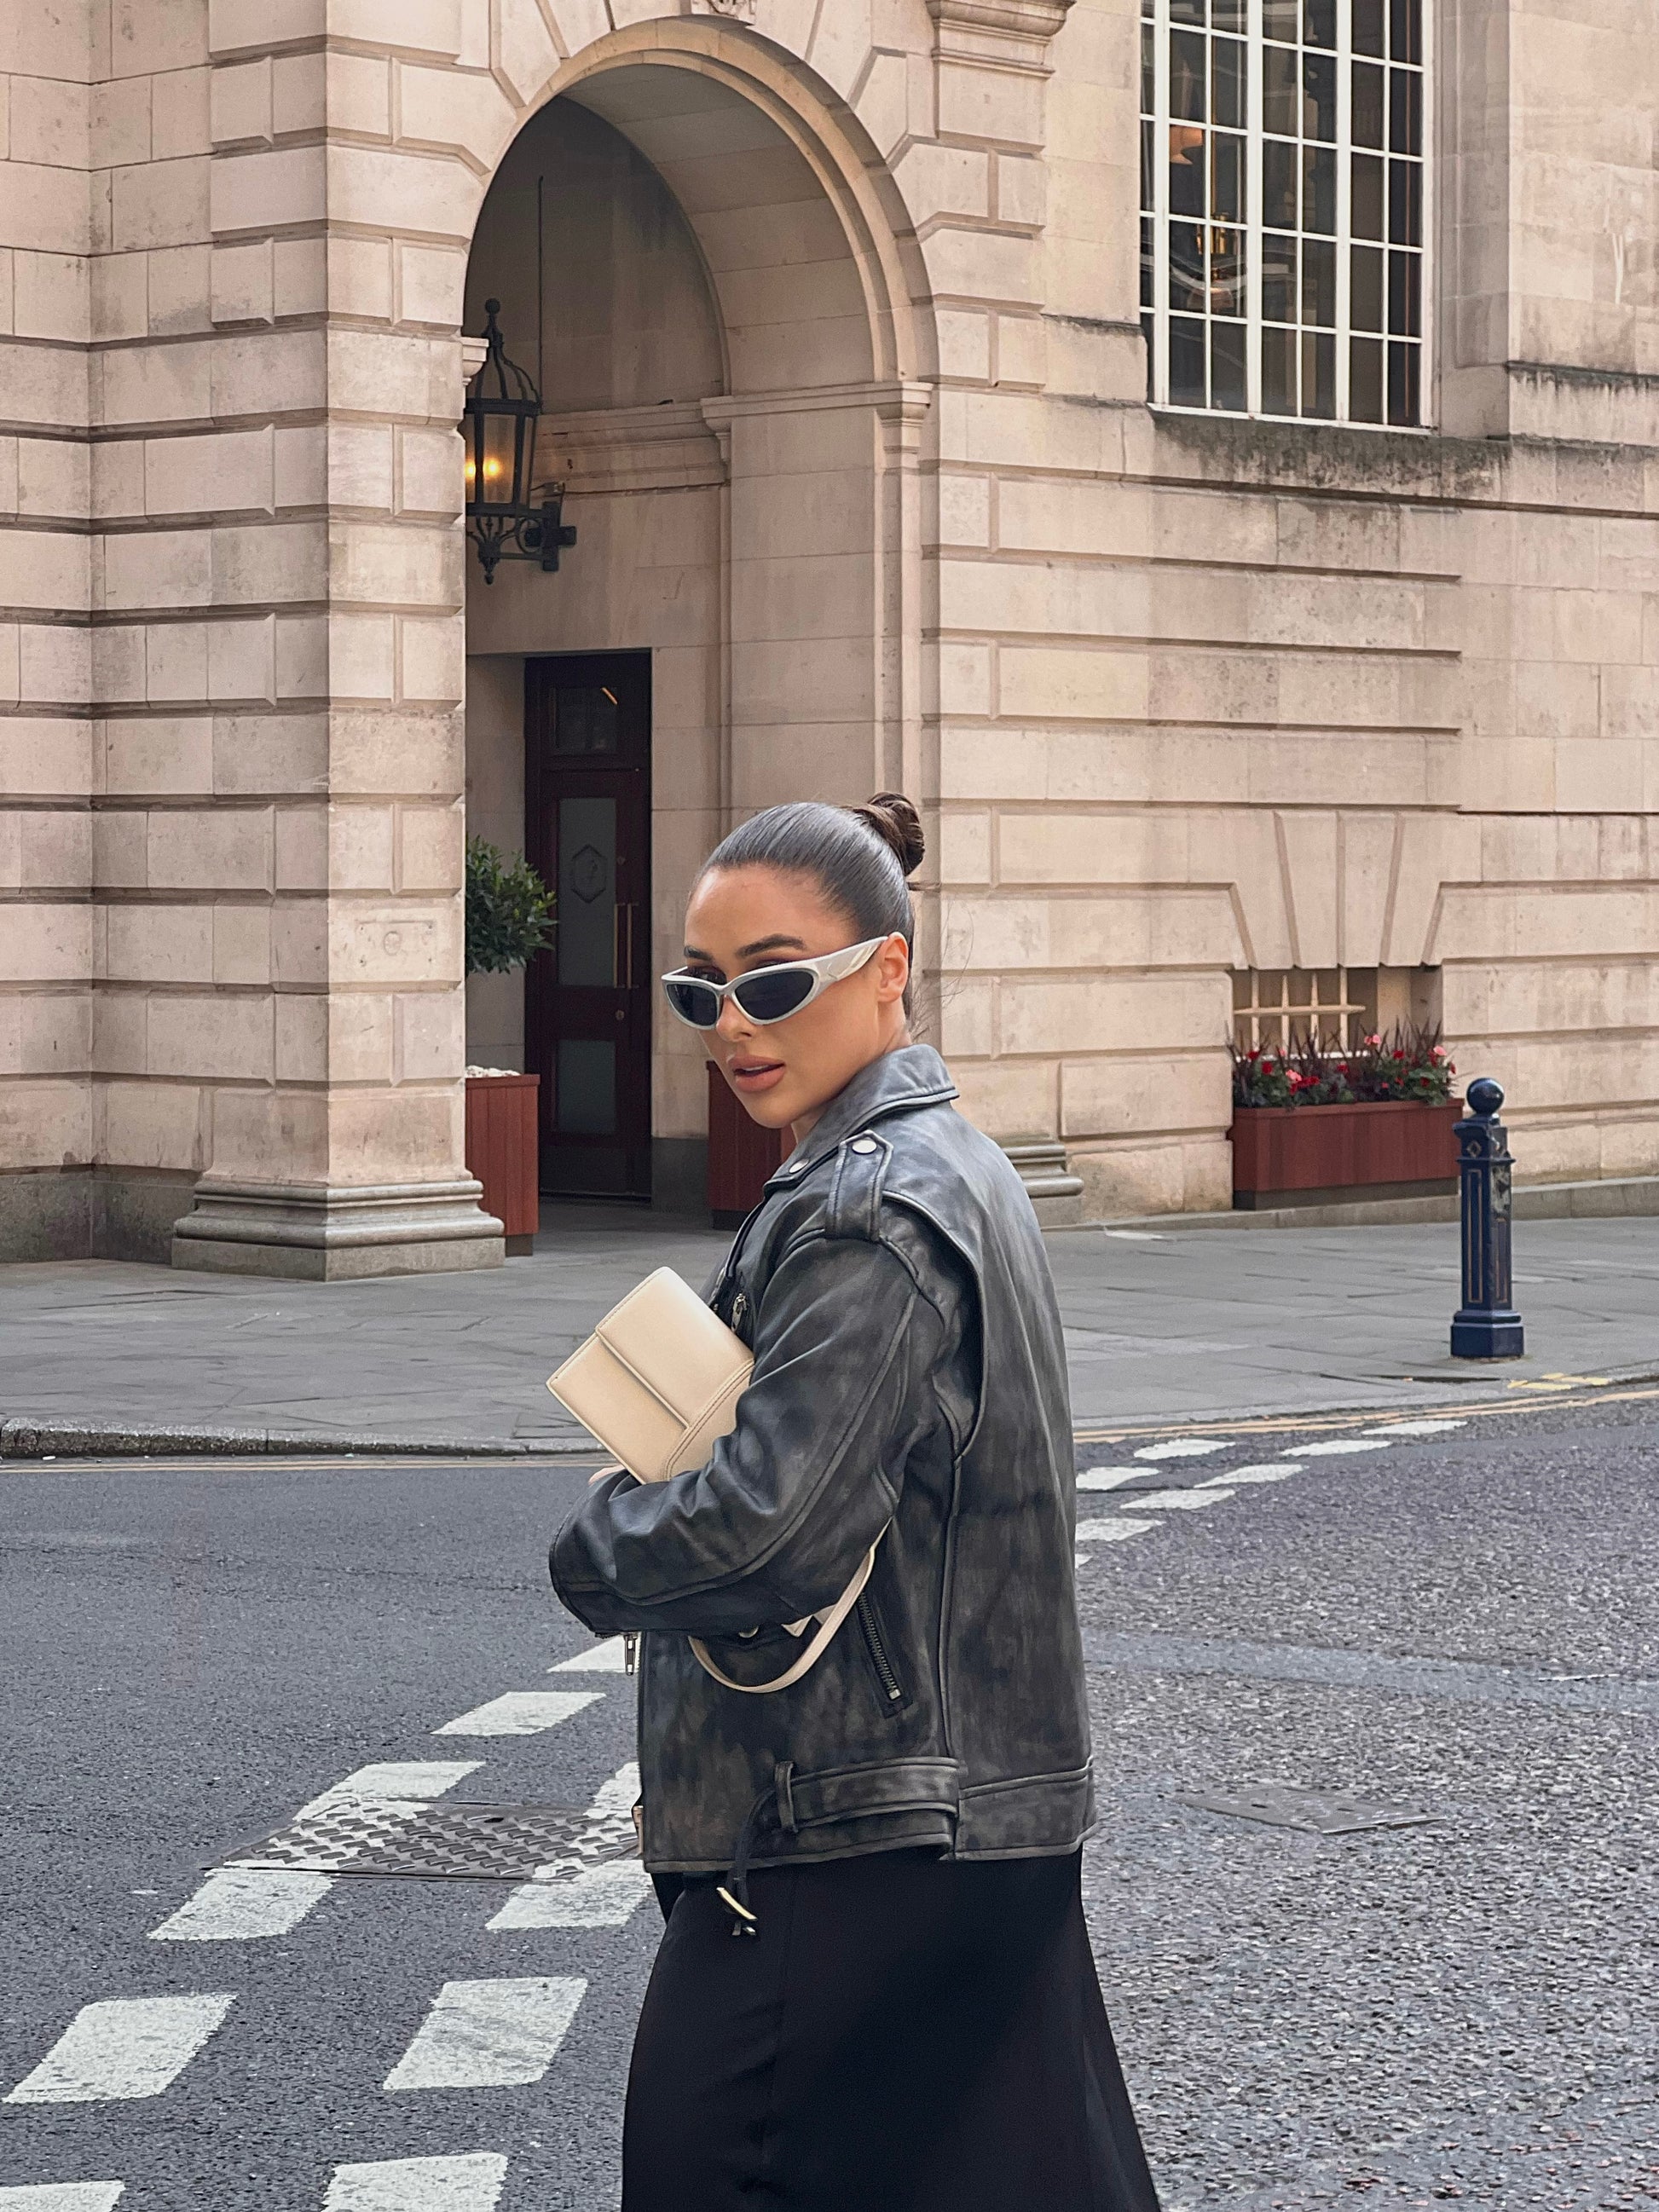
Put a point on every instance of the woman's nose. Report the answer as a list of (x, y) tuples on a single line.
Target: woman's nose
[(733, 1025)]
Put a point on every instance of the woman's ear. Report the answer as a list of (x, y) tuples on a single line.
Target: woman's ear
[(892, 967)]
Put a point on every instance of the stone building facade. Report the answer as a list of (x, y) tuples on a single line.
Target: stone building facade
[(1324, 669)]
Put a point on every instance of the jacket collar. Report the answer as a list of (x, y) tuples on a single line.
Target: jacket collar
[(898, 1083)]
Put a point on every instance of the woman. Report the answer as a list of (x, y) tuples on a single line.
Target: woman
[(909, 2019)]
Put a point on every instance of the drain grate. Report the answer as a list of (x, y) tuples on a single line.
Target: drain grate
[(454, 1842), (1320, 1812)]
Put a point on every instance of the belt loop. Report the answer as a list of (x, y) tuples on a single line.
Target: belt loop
[(782, 1774)]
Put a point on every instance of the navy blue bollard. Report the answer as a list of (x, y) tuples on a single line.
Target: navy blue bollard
[(1485, 1325)]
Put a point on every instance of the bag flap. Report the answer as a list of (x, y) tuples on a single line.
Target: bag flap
[(628, 1419), (683, 1354)]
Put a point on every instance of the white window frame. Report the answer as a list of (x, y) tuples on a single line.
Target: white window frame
[(1255, 139)]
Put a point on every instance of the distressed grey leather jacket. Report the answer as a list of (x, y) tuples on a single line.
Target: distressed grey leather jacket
[(910, 1377)]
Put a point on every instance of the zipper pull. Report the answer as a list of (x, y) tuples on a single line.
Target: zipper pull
[(739, 1312), (630, 1653)]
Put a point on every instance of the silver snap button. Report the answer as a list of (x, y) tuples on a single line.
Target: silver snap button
[(864, 1144)]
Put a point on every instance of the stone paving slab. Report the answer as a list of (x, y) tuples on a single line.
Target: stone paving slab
[(1162, 1324)]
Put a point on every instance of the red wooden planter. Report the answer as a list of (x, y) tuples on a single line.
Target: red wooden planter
[(502, 1150), (1308, 1155), (741, 1154)]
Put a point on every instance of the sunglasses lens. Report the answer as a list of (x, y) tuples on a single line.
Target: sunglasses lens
[(771, 993), (694, 1002)]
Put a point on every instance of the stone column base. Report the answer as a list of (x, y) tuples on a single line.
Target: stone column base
[(1056, 1194), (314, 1232)]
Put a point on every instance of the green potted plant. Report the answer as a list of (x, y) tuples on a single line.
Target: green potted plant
[(509, 918), (1315, 1120)]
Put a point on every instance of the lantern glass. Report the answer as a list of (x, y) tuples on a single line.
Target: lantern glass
[(496, 485)]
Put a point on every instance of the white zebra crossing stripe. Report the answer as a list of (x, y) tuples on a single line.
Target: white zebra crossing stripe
[(1116, 1530), (62, 2197), (123, 2047), (1416, 1428), (418, 2184), (1109, 1478), (1182, 1448), (393, 1782), (1336, 1446), (521, 1712), (242, 1903), (1179, 1501), (489, 2035), (599, 1897), (561, 1895), (607, 1658), (238, 1904), (1282, 1472)]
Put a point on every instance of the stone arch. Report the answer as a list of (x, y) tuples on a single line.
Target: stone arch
[(753, 519), (823, 133)]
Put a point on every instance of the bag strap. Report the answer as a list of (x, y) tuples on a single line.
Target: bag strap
[(829, 1624)]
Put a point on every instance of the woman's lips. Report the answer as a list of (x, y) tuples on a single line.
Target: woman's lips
[(756, 1074)]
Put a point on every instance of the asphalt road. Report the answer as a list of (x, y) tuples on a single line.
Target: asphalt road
[(1461, 1623)]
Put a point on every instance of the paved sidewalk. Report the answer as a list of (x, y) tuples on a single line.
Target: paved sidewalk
[(1165, 1324)]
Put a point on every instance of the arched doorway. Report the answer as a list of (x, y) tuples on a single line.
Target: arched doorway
[(730, 399)]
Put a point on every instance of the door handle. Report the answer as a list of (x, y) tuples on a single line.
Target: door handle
[(622, 945)]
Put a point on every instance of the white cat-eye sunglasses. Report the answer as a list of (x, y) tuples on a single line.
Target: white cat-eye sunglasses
[(767, 994)]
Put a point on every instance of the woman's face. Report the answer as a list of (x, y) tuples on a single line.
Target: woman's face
[(786, 1072)]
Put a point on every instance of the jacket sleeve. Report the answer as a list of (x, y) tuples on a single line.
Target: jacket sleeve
[(773, 1527)]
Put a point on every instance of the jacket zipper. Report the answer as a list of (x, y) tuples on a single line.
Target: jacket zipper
[(891, 1688)]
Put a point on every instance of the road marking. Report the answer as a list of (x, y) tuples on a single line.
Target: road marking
[(521, 1712), (1338, 1446), (62, 2197), (394, 1782), (1116, 1530), (599, 1897), (1416, 1428), (1248, 1474), (489, 2035), (239, 1904), (565, 1894), (1109, 1478), (1180, 1501), (123, 2047), (606, 1658), (1182, 1448), (418, 2184)]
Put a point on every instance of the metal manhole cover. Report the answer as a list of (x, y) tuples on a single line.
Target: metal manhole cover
[(456, 1841), (1321, 1812)]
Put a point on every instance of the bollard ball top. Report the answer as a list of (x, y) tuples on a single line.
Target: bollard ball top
[(1484, 1097)]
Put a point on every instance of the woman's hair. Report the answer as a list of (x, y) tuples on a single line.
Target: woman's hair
[(858, 856)]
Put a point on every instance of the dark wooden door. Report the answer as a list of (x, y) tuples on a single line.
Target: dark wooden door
[(588, 997)]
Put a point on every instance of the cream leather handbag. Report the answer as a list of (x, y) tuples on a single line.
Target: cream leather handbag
[(658, 1382)]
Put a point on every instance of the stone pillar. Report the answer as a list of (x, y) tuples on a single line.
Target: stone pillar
[(321, 559)]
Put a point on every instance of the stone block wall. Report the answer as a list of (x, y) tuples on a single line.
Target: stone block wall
[(1180, 695)]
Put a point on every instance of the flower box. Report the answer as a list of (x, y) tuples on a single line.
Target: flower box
[(503, 1152), (1315, 1155)]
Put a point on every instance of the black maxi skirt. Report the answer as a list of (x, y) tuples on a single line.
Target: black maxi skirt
[(905, 2033)]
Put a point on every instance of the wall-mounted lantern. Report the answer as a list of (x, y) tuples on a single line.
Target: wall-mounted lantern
[(502, 407)]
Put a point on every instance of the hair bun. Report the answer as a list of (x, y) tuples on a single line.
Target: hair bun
[(898, 825)]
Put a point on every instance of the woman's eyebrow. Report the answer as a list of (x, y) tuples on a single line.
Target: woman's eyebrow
[(695, 952), (770, 945)]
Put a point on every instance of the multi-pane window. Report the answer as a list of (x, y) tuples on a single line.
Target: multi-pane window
[(1283, 186), (1276, 1005)]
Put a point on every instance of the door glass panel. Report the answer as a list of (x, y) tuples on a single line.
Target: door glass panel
[(587, 890), (587, 1088), (585, 720)]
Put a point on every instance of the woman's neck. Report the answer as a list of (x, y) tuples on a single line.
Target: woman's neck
[(801, 1129)]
